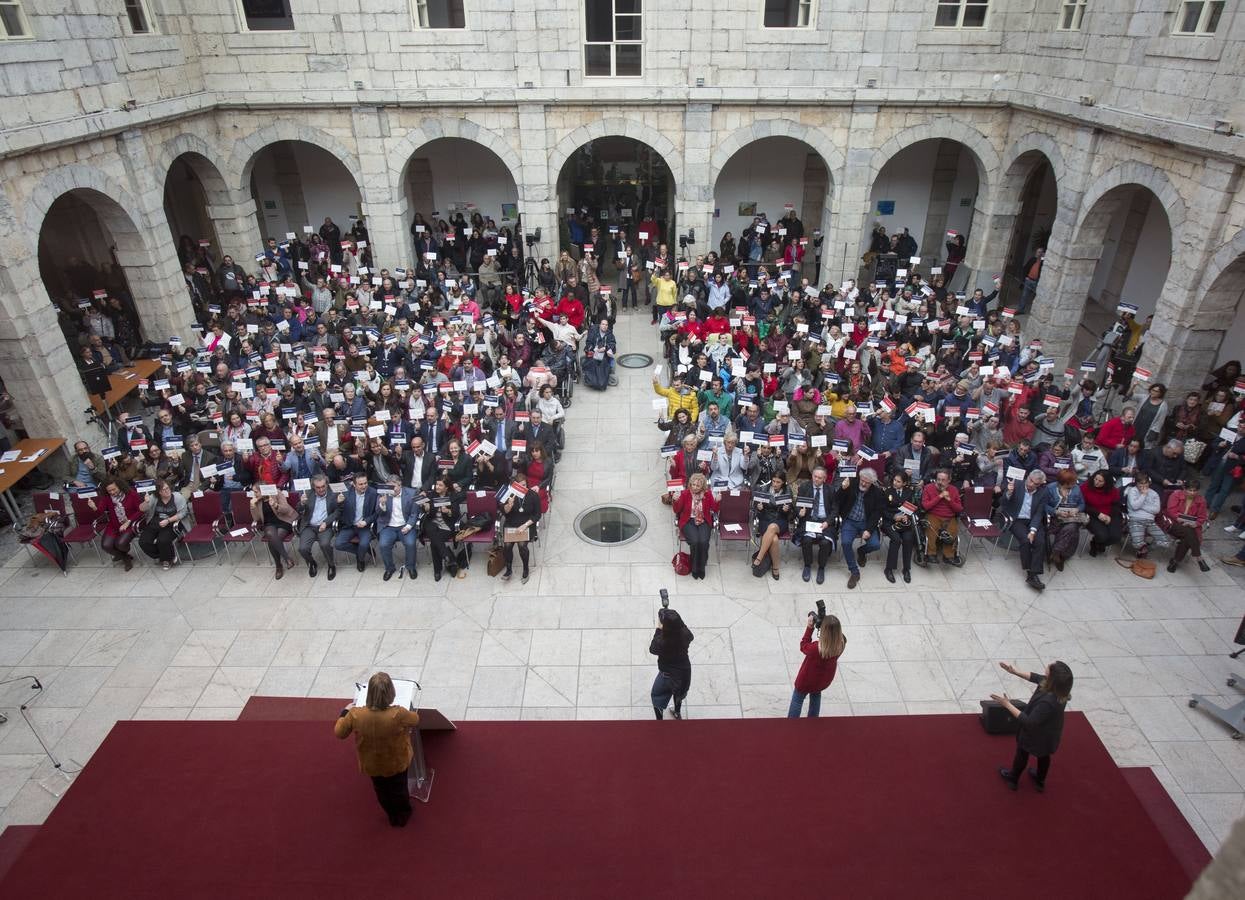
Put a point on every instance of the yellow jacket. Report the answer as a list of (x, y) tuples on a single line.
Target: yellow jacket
[(667, 290), (676, 401)]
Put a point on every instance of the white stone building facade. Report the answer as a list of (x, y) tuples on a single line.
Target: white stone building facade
[(1124, 107)]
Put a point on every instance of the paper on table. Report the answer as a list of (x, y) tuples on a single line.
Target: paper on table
[(403, 693), (10, 455)]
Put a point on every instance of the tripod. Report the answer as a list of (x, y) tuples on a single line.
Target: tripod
[(37, 685), (531, 270)]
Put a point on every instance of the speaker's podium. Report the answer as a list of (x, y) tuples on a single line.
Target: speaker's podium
[(406, 694)]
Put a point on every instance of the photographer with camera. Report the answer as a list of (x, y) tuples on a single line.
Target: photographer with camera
[(674, 669), (821, 661)]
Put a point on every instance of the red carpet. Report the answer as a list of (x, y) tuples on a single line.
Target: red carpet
[(854, 807), (1167, 817)]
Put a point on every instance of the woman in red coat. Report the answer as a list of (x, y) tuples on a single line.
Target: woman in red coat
[(122, 519), (696, 508), (1186, 512), (821, 662)]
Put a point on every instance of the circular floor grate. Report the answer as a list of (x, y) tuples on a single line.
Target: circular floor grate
[(635, 361), (610, 525)]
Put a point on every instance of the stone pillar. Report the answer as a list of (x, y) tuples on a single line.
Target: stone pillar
[(237, 227), (694, 200), (1122, 261), (145, 248), (851, 213), (289, 182), (538, 197), (382, 194), (941, 183)]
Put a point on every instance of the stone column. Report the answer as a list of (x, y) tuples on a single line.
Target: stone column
[(694, 201), (1134, 219), (851, 213), (538, 198), (237, 227), (941, 183), (382, 195), (145, 248)]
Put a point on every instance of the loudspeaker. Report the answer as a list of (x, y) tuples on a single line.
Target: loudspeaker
[(997, 720), (1240, 633)]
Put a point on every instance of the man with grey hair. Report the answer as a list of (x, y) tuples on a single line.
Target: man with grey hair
[(1025, 505), (860, 504), (815, 527), (317, 511)]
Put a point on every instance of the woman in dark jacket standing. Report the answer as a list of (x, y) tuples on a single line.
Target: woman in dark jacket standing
[(674, 669), (1041, 720), (821, 663)]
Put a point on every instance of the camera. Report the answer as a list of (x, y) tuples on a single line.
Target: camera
[(665, 598), (819, 615)]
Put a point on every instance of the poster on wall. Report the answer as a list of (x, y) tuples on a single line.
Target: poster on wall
[(748, 209), (509, 212), (886, 207)]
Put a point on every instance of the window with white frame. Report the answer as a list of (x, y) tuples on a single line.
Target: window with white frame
[(612, 38), (1071, 15), (961, 14), (140, 18), (1199, 17), (788, 13), (439, 13), (13, 24), (266, 15)]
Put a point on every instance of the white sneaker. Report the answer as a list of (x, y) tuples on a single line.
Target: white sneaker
[(1230, 529)]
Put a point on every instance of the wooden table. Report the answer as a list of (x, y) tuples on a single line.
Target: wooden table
[(17, 470), (121, 386)]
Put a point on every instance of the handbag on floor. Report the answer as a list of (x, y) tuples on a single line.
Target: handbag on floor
[(682, 563), (1142, 567), (496, 560)]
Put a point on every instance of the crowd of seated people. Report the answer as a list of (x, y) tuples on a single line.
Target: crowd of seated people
[(899, 410), (336, 407)]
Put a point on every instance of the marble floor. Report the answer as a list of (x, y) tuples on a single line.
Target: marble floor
[(197, 641)]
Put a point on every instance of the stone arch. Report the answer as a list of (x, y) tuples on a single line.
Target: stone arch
[(1147, 176), (617, 127), (831, 155), (111, 202), (249, 148), (1018, 169), (464, 129), (208, 164), (984, 154)]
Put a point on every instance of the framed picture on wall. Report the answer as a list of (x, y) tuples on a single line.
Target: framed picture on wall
[(509, 211), (748, 209)]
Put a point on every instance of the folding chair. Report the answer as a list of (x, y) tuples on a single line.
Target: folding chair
[(88, 523), (243, 531), (45, 501), (483, 503), (979, 507), (207, 513), (733, 509)]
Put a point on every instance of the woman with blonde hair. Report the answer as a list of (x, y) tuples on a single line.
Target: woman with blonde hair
[(696, 508), (383, 743), (821, 663)]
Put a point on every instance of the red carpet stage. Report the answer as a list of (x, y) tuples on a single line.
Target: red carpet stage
[(849, 807)]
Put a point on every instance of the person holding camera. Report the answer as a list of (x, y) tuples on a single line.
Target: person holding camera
[(1041, 721), (674, 668), (821, 661)]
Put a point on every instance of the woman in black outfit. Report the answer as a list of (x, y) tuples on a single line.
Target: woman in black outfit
[(1041, 720), (440, 526), (772, 511), (899, 525), (520, 512), (674, 669)]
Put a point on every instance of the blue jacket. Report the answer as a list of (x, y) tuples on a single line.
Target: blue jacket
[(350, 513), (1038, 509), (410, 508), (887, 436)]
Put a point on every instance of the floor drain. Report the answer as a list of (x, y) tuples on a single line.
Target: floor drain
[(610, 525)]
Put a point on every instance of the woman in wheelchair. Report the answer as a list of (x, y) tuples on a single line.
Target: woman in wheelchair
[(771, 507)]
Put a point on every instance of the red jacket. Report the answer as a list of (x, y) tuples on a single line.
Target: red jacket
[(681, 466), (573, 310), (936, 506), (1114, 433), (816, 674), (1197, 510), (132, 504), (683, 506)]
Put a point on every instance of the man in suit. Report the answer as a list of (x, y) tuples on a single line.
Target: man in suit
[(432, 430), (169, 428), (535, 431), (190, 467), (301, 461), (860, 505), (398, 520), (419, 466), (357, 516), (914, 450), (1026, 506), (815, 503), (317, 513)]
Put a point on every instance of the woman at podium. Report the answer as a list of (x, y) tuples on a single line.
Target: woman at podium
[(383, 744)]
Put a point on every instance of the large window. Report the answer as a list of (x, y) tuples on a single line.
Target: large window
[(961, 14), (612, 43), (266, 15), (440, 13), (788, 13), (13, 22), (1199, 16), (139, 16), (1071, 15)]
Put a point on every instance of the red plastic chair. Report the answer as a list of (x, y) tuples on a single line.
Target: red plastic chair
[(979, 505), (483, 503), (88, 524), (207, 515), (733, 509), (243, 521), (45, 500)]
